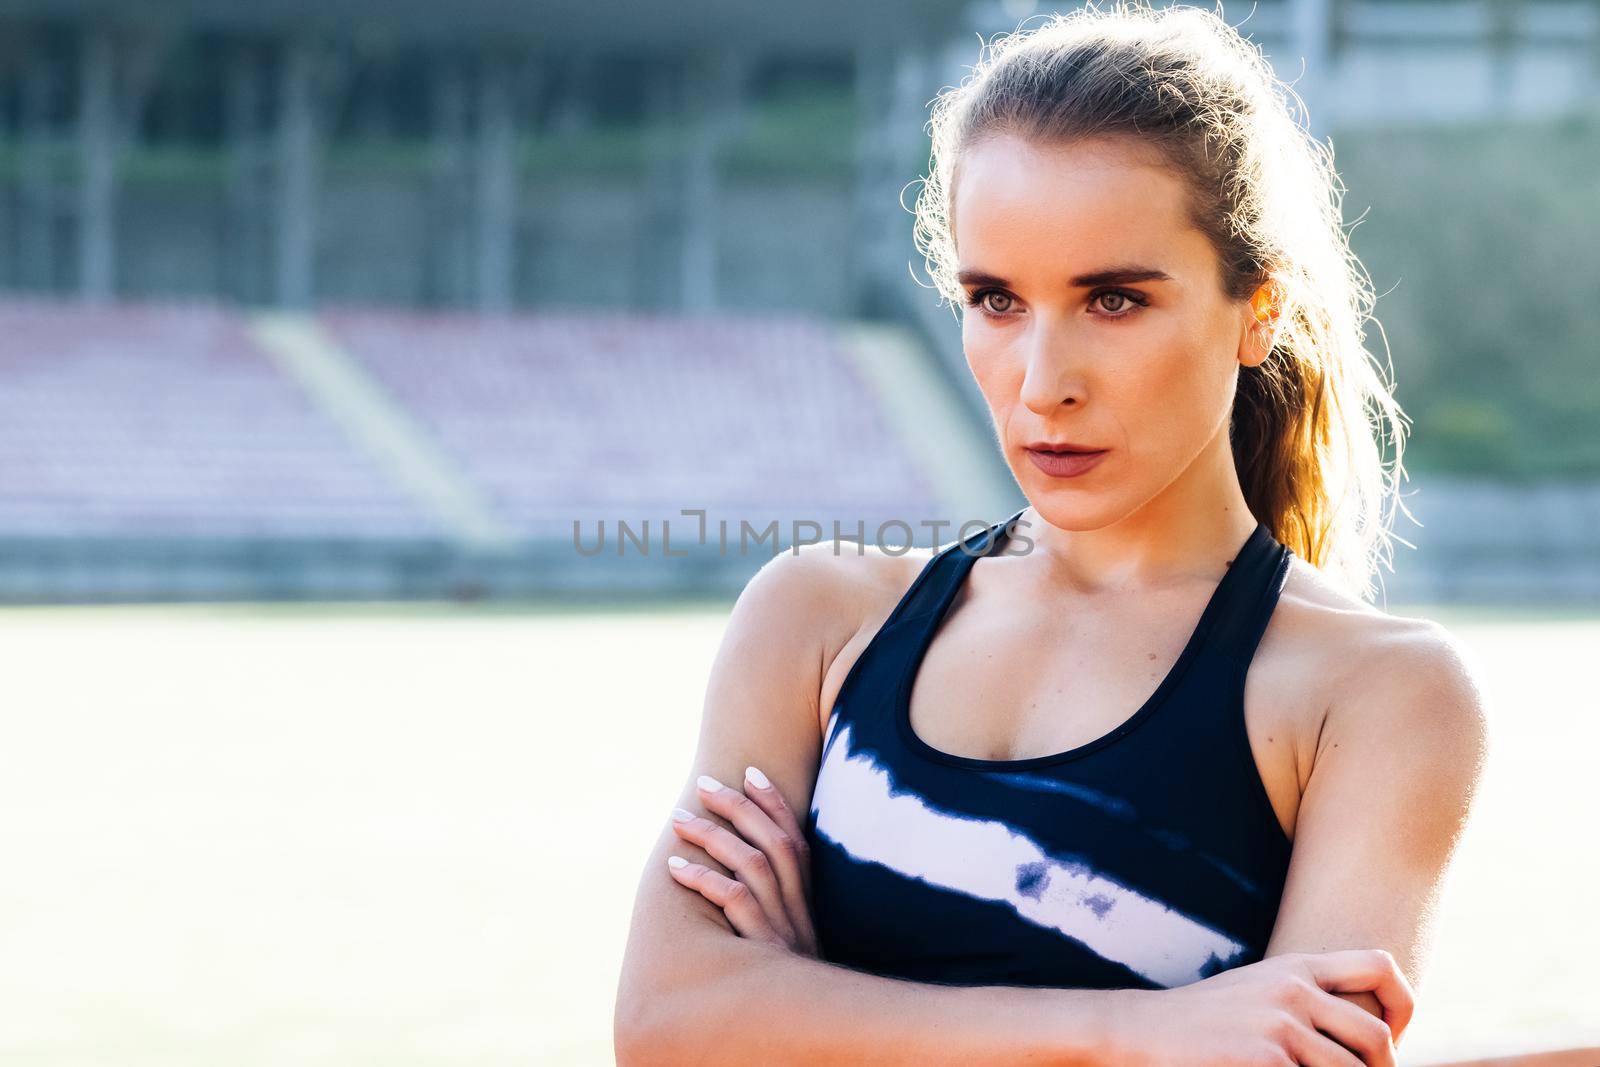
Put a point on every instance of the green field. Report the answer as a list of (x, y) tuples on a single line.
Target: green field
[(406, 835)]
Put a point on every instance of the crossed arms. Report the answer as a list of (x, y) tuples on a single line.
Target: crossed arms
[(1396, 771)]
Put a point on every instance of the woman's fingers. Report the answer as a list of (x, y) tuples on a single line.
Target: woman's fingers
[(766, 850), (752, 867), (1355, 1028), (733, 897), (1311, 1049), (1362, 970), (755, 826), (766, 796)]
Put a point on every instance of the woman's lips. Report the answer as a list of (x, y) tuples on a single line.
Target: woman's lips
[(1064, 464)]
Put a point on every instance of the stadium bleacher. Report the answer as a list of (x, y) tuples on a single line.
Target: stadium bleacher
[(563, 416), (167, 419), (164, 420)]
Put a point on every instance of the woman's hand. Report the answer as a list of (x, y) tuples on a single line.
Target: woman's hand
[(1280, 1010), (770, 897)]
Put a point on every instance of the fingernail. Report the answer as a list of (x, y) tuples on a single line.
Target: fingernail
[(676, 861), (754, 776), (709, 784), (679, 815)]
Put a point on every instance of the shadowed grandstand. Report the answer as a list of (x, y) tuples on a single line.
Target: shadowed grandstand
[(167, 420), (183, 450), (560, 417)]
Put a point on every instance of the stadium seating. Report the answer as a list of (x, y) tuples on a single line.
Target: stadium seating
[(587, 416), (164, 421), (167, 420)]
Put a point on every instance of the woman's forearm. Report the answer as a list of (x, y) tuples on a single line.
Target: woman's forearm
[(743, 1001)]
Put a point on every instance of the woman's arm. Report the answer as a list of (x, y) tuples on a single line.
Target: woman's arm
[(746, 1002), (1397, 768), (691, 991)]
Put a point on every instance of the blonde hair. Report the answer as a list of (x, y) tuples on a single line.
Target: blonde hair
[(1307, 422)]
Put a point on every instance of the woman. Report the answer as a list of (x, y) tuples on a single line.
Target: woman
[(964, 848)]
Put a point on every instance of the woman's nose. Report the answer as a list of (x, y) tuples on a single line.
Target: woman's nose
[(1053, 376)]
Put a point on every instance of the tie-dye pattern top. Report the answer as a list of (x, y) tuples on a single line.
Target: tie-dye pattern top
[(1147, 858)]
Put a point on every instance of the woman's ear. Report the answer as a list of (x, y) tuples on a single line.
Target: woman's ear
[(1261, 329)]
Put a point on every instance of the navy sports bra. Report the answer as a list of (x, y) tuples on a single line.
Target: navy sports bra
[(1147, 858)]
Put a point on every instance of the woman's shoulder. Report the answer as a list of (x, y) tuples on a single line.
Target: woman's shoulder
[(1319, 612), (840, 594), (842, 581), (1374, 670)]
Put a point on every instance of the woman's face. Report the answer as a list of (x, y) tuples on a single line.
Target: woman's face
[(1095, 317)]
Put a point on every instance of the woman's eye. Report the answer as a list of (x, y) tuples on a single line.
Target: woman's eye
[(1121, 302), (982, 297)]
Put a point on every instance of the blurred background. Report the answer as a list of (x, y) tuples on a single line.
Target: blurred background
[(341, 342)]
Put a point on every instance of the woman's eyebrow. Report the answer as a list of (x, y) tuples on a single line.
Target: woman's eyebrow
[(1108, 276)]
